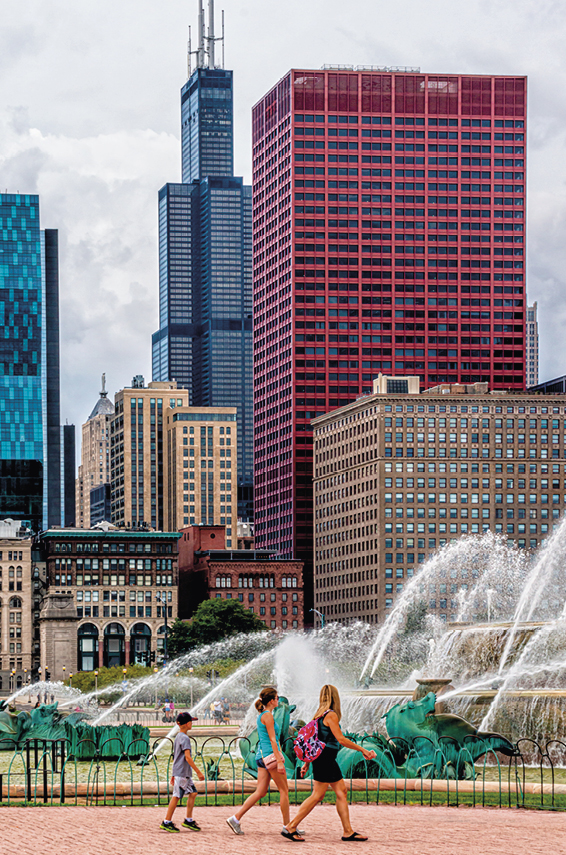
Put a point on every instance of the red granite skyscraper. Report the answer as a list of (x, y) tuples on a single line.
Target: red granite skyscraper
[(389, 235)]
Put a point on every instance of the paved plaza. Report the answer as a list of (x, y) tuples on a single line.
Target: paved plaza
[(395, 830)]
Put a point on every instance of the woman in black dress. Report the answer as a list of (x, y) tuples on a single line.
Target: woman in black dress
[(326, 771)]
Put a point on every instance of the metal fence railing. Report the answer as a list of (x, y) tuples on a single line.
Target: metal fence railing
[(51, 772), (156, 718)]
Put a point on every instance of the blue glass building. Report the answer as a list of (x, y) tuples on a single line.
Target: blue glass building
[(30, 443), (204, 341)]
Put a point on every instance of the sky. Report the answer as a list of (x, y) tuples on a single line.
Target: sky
[(89, 119)]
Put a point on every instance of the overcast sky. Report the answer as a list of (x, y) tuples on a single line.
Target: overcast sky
[(89, 119)]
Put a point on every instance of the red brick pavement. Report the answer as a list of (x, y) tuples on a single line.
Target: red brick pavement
[(392, 831)]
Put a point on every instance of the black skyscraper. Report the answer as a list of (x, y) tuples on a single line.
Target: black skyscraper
[(204, 341)]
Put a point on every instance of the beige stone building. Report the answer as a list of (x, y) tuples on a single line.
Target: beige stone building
[(399, 474), (200, 475), (137, 448), (94, 469), (17, 605)]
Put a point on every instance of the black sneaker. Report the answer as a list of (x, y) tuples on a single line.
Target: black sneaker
[(167, 825), (191, 825)]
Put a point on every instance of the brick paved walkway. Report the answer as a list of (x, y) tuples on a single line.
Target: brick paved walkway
[(392, 831)]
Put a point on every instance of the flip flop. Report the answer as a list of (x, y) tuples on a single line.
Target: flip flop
[(355, 838), (293, 835)]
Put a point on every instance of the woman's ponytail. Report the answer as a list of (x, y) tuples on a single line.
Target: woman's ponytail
[(267, 694)]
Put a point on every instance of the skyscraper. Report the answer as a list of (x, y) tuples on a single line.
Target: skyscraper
[(389, 234), (199, 475), (30, 435), (426, 454), (531, 346), (204, 341), (138, 449), (94, 470)]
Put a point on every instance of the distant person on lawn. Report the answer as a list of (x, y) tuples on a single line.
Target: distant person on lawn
[(181, 779)]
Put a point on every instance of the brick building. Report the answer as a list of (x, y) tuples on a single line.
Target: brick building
[(269, 586), (399, 474), (113, 577)]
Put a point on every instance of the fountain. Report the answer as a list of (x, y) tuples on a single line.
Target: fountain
[(500, 662), (47, 723)]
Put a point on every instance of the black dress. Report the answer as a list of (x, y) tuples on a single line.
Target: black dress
[(325, 769)]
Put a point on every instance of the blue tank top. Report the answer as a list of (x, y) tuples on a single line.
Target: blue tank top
[(264, 748)]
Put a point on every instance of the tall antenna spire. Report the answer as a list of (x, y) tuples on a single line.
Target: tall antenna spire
[(206, 51), (103, 392), (201, 36), (211, 33)]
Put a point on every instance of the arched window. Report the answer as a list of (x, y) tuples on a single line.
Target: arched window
[(140, 644), (88, 647), (223, 581), (114, 645), (15, 603), (161, 640)]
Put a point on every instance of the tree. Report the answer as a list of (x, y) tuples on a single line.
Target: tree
[(213, 620), (216, 619), (179, 638), (416, 617)]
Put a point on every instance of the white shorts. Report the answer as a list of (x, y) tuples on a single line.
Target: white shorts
[(182, 787)]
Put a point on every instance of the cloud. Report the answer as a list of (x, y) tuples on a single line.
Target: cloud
[(89, 118), (101, 193)]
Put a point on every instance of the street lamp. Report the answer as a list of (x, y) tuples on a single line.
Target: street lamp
[(70, 681), (164, 604), (322, 617), (64, 669), (191, 673), (155, 671)]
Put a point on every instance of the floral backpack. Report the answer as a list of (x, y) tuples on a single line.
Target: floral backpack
[(308, 745)]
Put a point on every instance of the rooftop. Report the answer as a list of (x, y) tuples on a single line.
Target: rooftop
[(120, 533)]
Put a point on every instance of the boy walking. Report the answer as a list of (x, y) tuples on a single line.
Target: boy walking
[(181, 779)]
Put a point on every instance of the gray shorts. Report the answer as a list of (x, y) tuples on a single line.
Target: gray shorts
[(182, 787)]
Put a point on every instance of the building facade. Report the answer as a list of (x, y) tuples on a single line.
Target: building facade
[(30, 436), (111, 578), (397, 475), (94, 469), (531, 346), (269, 587), (137, 449), (68, 470), (204, 341), (200, 482), (17, 607), (389, 235)]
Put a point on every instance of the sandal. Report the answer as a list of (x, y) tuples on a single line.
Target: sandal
[(355, 838), (293, 835)]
